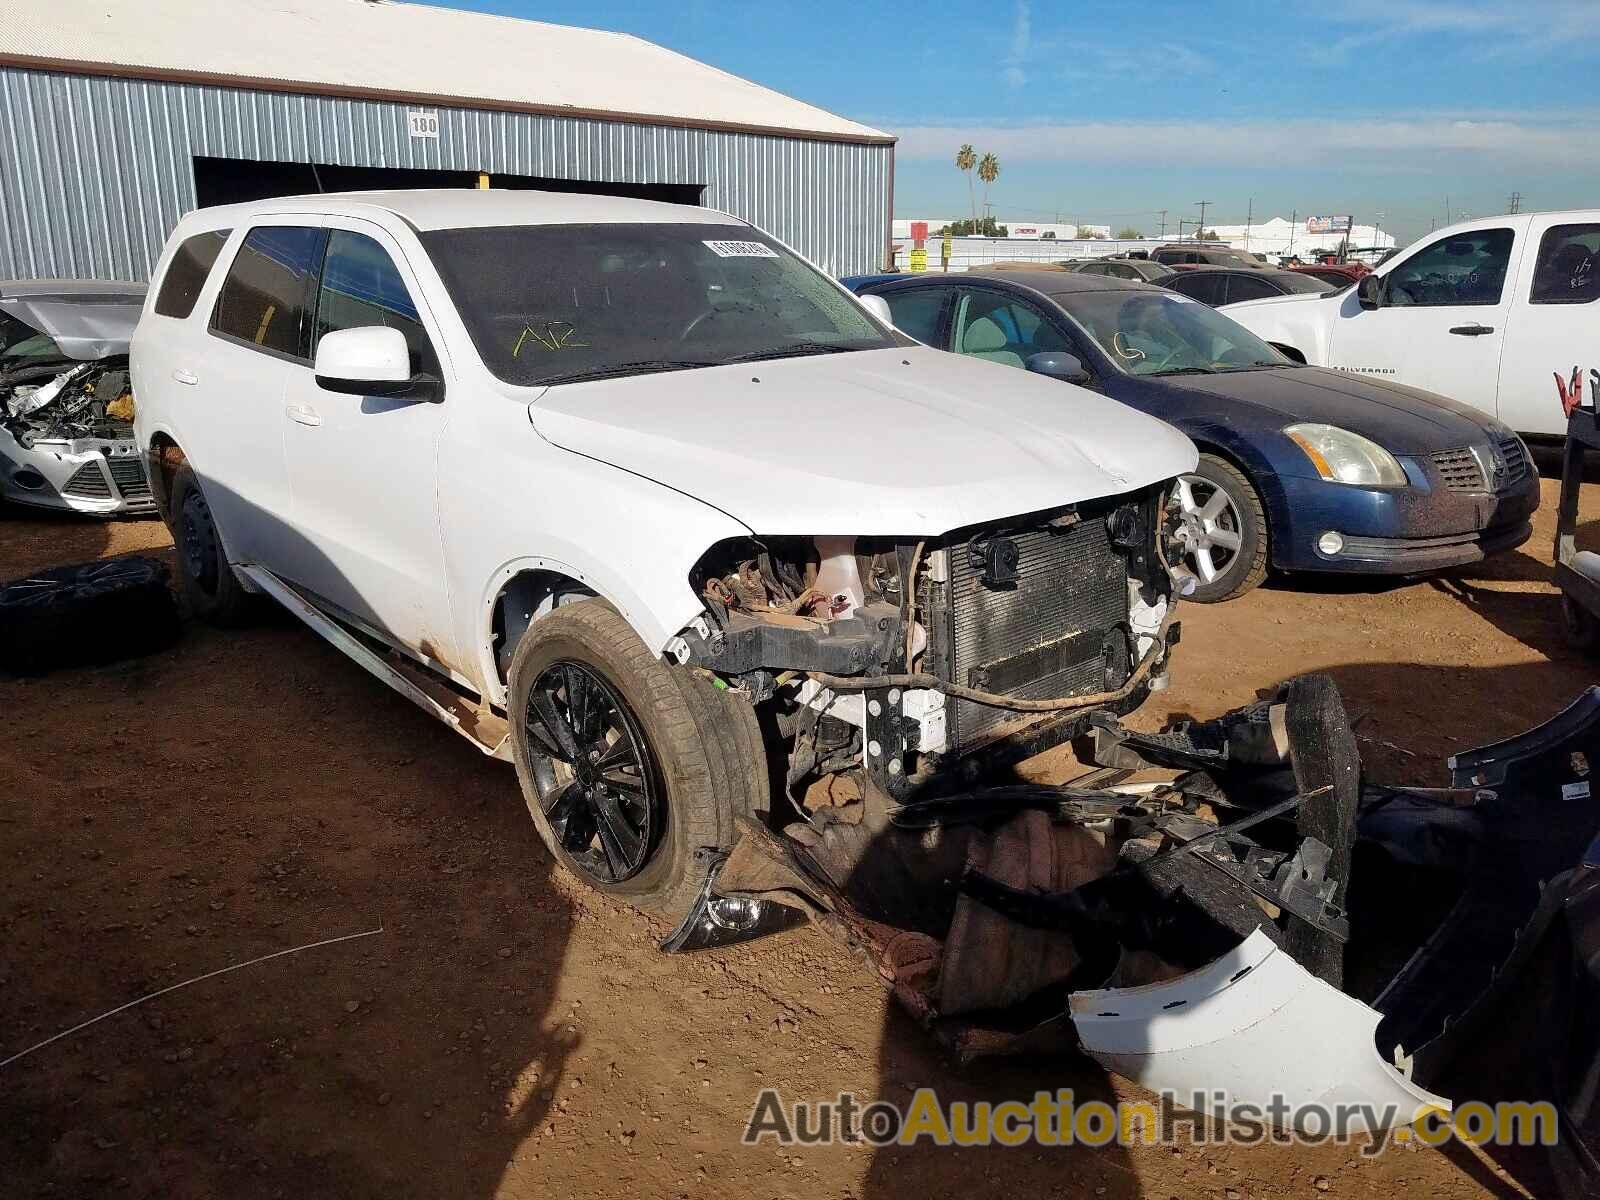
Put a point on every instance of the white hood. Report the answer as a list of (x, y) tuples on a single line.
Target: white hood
[(883, 442)]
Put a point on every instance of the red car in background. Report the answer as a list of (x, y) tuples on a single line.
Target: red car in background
[(1338, 274)]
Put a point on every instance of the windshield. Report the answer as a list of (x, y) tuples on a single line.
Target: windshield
[(1156, 333), (547, 304), (21, 345)]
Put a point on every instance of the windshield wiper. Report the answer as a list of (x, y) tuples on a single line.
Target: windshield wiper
[(1185, 371), (796, 350), (615, 370)]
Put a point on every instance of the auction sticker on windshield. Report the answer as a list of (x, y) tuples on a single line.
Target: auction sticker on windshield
[(741, 250)]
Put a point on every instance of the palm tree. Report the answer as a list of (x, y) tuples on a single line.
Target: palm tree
[(966, 159), (988, 171)]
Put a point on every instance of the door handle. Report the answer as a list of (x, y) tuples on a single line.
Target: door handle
[(188, 377), (1472, 330), (304, 415)]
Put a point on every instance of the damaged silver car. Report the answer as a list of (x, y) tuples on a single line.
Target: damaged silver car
[(66, 409)]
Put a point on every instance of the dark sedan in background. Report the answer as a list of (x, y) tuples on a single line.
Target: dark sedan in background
[(1301, 468), (1142, 269), (1218, 287)]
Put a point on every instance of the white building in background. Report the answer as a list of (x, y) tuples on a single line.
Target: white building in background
[(1275, 236), (1045, 230), (1278, 236)]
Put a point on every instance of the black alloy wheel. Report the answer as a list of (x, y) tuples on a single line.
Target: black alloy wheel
[(598, 784)]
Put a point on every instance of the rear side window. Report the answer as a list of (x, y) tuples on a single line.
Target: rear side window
[(916, 312), (1206, 288), (186, 273), (1567, 270), (362, 286), (1243, 287), (269, 289)]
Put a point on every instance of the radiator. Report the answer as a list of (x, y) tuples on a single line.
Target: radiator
[(1056, 631)]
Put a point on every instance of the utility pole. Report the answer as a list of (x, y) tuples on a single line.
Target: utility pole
[(1200, 229), (1447, 210), (1516, 203), (1294, 222), (1163, 224), (1249, 214)]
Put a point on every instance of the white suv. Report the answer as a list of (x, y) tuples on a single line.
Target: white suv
[(635, 497)]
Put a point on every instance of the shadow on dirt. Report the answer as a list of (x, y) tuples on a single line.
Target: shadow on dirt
[(232, 798)]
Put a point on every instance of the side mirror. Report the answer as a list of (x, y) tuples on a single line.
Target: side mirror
[(1058, 365), (878, 307), (371, 360), (1369, 292)]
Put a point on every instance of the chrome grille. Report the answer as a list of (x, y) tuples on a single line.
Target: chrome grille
[(130, 477), (1463, 470), (1460, 470), (1045, 637), (1516, 460), (89, 482)]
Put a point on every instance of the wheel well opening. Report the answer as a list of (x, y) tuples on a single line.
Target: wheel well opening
[(1288, 351), (523, 599), (166, 456)]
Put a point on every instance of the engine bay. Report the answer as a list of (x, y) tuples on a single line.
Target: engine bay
[(86, 402), (902, 657)]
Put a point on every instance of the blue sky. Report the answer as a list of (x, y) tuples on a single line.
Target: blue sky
[(1109, 112)]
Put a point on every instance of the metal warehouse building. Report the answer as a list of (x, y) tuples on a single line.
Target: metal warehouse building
[(121, 115)]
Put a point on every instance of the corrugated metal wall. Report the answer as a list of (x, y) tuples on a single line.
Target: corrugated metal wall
[(95, 171)]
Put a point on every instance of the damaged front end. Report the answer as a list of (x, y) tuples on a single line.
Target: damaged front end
[(915, 664), (66, 408), (1261, 922)]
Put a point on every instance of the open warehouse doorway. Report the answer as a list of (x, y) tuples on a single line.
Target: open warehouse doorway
[(235, 180)]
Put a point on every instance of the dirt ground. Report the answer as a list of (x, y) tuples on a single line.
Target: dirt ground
[(507, 1034)]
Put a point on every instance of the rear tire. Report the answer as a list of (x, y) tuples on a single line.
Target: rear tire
[(653, 763), (1220, 530), (205, 576)]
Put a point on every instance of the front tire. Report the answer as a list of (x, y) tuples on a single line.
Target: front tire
[(1217, 528), (628, 766)]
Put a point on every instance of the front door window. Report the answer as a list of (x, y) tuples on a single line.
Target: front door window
[(1461, 269), (1002, 329)]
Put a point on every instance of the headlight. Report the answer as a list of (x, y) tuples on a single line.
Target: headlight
[(1344, 457)]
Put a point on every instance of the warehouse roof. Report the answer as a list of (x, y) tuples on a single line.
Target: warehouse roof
[(383, 50), (474, 208)]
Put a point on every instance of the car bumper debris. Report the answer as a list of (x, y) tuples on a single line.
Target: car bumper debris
[(1226, 928)]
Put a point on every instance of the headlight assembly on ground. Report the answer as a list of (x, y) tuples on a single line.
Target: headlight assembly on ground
[(1344, 457)]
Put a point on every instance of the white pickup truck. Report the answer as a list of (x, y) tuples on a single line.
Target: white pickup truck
[(1497, 313)]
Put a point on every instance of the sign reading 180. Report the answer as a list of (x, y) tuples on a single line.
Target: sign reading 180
[(422, 123)]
